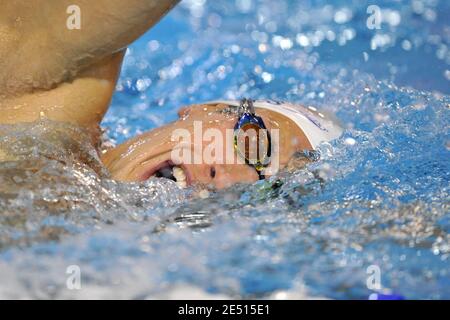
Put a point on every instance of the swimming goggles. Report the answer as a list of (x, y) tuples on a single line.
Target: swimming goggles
[(252, 140)]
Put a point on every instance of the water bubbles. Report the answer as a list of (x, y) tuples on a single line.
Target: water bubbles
[(143, 84), (392, 17), (442, 52), (214, 21), (153, 45), (282, 43), (326, 172), (365, 56), (271, 27), (235, 49), (286, 44), (262, 48), (350, 141), (259, 36), (406, 45), (447, 74), (267, 77), (302, 40), (346, 35), (173, 71), (380, 41), (430, 15), (196, 7), (419, 105), (244, 6), (343, 15), (418, 6), (349, 34), (330, 35)]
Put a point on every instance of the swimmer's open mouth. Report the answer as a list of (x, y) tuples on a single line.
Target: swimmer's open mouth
[(169, 170)]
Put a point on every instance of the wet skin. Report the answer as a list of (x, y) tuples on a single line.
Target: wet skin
[(51, 72), (139, 158)]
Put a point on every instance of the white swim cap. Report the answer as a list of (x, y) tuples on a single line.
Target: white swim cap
[(315, 125)]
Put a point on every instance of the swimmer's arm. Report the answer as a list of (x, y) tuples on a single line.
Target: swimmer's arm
[(35, 43)]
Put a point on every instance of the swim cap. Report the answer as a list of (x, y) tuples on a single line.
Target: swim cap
[(315, 125)]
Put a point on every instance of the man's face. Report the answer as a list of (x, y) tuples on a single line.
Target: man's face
[(198, 149)]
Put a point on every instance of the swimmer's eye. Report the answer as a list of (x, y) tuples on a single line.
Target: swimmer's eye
[(252, 142)]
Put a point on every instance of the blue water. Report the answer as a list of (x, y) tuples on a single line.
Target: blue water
[(379, 196)]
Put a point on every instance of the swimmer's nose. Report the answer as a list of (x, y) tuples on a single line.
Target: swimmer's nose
[(224, 176)]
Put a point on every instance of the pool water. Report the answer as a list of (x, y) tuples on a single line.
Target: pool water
[(375, 205)]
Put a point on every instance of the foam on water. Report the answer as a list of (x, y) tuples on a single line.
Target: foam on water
[(379, 196)]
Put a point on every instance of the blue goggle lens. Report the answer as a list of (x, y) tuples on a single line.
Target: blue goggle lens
[(252, 141)]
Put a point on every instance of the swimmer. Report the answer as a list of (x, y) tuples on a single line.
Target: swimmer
[(49, 71), (290, 129)]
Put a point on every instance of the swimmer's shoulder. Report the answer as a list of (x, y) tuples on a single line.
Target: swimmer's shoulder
[(51, 71), (38, 50)]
